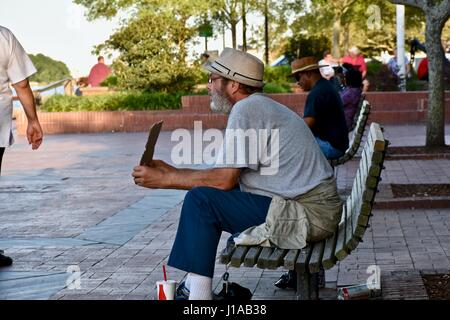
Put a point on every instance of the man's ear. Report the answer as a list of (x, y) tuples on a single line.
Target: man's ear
[(234, 87)]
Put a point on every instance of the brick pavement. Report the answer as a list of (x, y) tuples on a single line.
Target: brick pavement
[(76, 183)]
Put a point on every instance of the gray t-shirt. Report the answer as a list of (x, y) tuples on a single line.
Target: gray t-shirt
[(276, 149)]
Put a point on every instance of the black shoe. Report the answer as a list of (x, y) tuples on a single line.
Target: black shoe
[(5, 261), (182, 292), (235, 293), (288, 280)]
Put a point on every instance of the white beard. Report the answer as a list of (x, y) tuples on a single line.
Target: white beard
[(220, 103)]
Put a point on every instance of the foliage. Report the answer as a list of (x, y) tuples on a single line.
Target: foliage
[(48, 70), (380, 77), (277, 88), (113, 102), (301, 46), (111, 82), (278, 74)]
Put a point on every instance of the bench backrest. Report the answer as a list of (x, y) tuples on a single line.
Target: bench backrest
[(357, 135), (358, 206), (358, 111)]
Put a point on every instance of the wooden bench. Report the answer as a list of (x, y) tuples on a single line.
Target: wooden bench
[(357, 135), (358, 111), (308, 261)]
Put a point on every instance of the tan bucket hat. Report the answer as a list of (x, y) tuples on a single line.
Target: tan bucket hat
[(238, 66), (305, 64)]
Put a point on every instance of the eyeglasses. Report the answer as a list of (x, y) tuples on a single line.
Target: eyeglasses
[(211, 79)]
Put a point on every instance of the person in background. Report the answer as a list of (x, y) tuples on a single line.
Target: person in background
[(15, 68), (394, 67), (357, 60), (98, 73), (351, 95), (328, 67)]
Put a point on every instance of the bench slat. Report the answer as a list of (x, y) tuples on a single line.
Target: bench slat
[(264, 257), (349, 233), (303, 258), (341, 250), (276, 258), (238, 256), (226, 254), (290, 259), (357, 134), (316, 257), (252, 256)]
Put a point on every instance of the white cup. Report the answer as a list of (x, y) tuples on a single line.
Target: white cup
[(165, 290)]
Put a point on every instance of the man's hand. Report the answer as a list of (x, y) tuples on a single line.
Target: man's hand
[(34, 134), (154, 176)]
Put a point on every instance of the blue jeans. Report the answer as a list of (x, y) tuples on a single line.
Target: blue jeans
[(205, 214), (328, 150)]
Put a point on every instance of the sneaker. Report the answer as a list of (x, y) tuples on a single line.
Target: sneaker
[(5, 261), (182, 292), (288, 280)]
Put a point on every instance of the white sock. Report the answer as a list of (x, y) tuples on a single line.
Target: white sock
[(200, 287)]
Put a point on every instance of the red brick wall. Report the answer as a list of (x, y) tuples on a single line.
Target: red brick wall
[(387, 108)]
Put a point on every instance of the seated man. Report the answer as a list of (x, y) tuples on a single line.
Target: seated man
[(324, 111), (236, 194)]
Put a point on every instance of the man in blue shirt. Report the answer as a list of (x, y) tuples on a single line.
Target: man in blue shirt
[(324, 110)]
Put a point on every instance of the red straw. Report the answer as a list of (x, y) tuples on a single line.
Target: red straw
[(165, 275)]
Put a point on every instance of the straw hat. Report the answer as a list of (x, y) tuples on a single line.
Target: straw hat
[(238, 66), (305, 64)]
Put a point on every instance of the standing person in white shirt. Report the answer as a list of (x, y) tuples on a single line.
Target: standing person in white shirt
[(15, 68)]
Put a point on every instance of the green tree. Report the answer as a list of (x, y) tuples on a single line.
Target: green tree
[(302, 46), (152, 44), (48, 70)]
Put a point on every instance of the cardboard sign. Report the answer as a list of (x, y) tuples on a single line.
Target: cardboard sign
[(147, 156)]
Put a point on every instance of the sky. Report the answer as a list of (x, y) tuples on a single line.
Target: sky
[(59, 29)]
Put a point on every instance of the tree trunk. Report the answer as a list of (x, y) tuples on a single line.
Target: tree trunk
[(223, 37), (233, 33), (346, 44), (436, 99), (244, 26), (336, 36), (266, 32)]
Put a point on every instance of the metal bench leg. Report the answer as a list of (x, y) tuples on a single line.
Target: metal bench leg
[(321, 277), (314, 286), (303, 284)]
